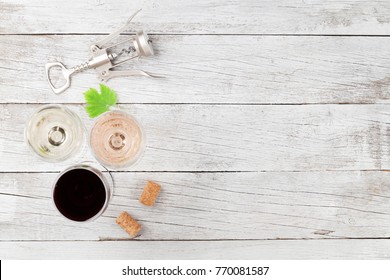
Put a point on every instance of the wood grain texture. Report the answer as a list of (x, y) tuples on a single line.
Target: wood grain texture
[(230, 138), (200, 17), (210, 69), (210, 206), (192, 250), (251, 145)]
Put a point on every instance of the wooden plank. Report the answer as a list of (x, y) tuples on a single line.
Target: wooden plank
[(199, 17), (192, 250), (211, 69), (210, 206), (230, 138)]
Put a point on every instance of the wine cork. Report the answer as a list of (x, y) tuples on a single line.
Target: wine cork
[(150, 193), (131, 226)]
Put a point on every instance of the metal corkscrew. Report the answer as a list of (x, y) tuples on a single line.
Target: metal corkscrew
[(103, 59)]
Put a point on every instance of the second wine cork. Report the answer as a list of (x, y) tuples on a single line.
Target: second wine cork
[(131, 226)]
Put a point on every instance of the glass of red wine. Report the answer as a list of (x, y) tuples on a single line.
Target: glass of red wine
[(81, 192)]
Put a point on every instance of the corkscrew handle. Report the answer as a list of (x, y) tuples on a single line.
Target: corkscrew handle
[(65, 72)]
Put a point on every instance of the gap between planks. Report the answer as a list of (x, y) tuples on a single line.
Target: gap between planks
[(207, 103), (211, 171), (203, 34), (195, 240)]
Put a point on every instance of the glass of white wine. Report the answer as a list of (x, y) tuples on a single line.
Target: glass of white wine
[(54, 133)]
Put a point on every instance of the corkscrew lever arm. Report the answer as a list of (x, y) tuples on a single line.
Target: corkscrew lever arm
[(116, 33), (135, 72)]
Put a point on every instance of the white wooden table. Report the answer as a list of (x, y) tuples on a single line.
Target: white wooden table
[(270, 134)]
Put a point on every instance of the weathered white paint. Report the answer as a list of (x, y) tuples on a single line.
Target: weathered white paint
[(211, 69), (198, 16), (191, 250), (209, 206), (241, 68), (232, 138)]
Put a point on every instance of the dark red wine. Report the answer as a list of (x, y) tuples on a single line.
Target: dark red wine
[(79, 194)]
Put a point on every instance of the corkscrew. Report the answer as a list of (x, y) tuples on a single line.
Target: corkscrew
[(104, 59)]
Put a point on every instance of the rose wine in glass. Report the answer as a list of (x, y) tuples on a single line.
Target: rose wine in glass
[(117, 139)]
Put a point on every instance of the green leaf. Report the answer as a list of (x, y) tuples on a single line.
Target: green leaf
[(97, 103)]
